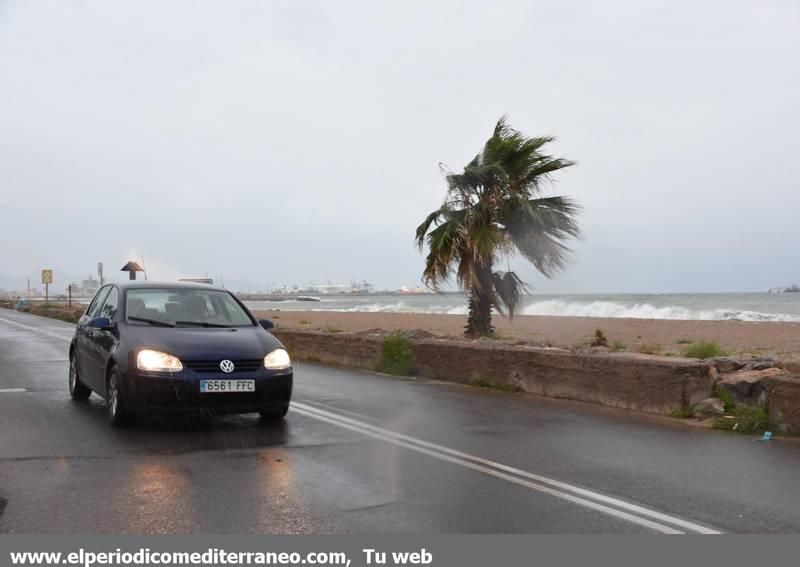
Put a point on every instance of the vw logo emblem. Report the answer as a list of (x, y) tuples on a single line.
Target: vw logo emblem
[(226, 366)]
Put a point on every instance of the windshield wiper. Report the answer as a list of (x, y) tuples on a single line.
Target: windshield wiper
[(202, 324), (151, 321)]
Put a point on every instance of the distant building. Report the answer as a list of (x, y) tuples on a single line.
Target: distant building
[(86, 288)]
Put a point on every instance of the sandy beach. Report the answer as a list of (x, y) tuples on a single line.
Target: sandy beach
[(668, 337)]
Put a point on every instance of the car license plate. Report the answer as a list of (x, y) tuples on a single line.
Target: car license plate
[(214, 386)]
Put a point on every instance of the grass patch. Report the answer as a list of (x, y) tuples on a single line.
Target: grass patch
[(397, 355), (703, 350), (742, 418), (55, 311), (746, 419), (650, 348), (304, 322), (685, 341), (500, 336), (618, 346), (728, 403), (685, 412)]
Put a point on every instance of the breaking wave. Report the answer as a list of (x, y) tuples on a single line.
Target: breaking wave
[(647, 311), (562, 308)]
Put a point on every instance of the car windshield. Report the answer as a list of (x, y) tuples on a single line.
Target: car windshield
[(178, 307)]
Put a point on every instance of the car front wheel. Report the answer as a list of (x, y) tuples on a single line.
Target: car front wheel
[(278, 411), (118, 415), (77, 389)]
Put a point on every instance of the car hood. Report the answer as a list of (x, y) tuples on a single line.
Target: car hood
[(200, 343)]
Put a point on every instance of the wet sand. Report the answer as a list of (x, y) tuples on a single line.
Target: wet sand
[(637, 335)]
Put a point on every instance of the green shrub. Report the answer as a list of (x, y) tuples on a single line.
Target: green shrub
[(726, 398), (747, 419), (618, 345), (743, 418), (685, 412), (599, 339), (397, 355), (703, 349)]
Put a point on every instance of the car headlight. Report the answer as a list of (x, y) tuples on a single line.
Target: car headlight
[(278, 359), (156, 361)]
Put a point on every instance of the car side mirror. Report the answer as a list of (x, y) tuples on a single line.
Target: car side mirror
[(101, 323), (267, 324)]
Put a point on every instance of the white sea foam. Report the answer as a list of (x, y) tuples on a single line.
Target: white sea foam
[(564, 308), (647, 311)]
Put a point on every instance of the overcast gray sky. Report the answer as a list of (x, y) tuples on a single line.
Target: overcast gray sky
[(296, 141)]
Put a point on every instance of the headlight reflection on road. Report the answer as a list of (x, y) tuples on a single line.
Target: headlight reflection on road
[(162, 502), (280, 495)]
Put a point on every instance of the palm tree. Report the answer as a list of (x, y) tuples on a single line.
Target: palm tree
[(493, 210)]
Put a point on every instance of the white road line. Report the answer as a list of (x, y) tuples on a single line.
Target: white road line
[(37, 329), (557, 488), (12, 390), (332, 407), (485, 470)]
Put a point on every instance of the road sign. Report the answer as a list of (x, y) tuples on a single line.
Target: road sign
[(47, 279)]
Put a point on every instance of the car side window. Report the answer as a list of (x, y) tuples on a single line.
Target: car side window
[(110, 305), (94, 306)]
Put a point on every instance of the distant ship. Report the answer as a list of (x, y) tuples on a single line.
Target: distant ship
[(794, 288), (361, 287)]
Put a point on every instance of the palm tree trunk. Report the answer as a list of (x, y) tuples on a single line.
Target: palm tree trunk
[(479, 321)]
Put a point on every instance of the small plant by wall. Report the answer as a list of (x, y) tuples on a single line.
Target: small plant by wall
[(743, 418), (599, 339), (703, 350), (397, 355)]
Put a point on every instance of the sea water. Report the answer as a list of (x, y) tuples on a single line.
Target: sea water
[(702, 306)]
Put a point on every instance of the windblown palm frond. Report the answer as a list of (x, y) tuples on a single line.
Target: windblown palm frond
[(509, 289), (538, 231)]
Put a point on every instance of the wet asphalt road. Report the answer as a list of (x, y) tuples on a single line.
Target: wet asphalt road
[(363, 453)]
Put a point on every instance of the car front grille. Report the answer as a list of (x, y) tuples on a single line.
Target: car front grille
[(247, 365)]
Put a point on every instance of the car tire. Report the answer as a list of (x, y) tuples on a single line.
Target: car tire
[(77, 389), (278, 411), (118, 414)]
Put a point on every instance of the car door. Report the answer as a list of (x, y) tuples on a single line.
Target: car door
[(103, 341), (83, 343)]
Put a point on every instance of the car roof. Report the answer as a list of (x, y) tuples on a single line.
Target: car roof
[(138, 284)]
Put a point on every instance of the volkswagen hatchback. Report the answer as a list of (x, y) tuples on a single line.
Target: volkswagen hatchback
[(177, 348)]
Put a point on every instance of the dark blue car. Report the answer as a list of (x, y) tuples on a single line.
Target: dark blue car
[(177, 348)]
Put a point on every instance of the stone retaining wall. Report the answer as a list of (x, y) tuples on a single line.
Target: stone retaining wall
[(649, 384)]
